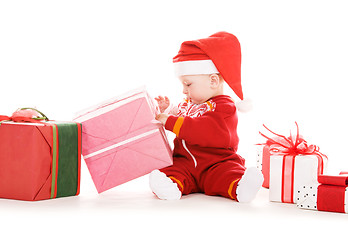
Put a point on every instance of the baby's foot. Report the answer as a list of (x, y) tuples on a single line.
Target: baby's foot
[(249, 185), (163, 186)]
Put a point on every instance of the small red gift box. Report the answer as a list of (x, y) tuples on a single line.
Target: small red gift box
[(330, 195)]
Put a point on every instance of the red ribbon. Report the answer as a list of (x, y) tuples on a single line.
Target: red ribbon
[(290, 147), (19, 119), (4, 118), (20, 116)]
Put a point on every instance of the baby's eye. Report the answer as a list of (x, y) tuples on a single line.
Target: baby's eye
[(188, 84)]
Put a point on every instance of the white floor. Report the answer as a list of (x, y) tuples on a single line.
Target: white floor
[(131, 211)]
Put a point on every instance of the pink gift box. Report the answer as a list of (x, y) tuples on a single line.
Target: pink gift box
[(121, 140)]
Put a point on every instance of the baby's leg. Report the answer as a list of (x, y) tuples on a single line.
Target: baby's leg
[(171, 182), (230, 179), (222, 179)]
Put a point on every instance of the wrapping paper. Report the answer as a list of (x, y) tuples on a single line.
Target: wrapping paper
[(39, 160), (121, 140), (330, 195)]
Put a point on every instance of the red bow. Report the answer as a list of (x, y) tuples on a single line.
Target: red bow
[(25, 115), (289, 145)]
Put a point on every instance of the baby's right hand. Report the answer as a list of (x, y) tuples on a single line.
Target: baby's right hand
[(163, 103)]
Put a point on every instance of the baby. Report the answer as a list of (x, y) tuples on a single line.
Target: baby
[(205, 124)]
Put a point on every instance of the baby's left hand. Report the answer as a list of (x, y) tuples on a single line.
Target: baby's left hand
[(162, 117)]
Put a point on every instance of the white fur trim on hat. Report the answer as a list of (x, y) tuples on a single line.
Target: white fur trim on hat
[(194, 67)]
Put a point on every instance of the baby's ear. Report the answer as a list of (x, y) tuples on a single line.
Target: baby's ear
[(214, 80)]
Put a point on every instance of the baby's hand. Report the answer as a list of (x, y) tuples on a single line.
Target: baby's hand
[(163, 103), (162, 117)]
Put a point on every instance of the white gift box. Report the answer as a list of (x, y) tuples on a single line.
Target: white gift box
[(262, 163), (307, 197), (288, 173), (259, 153)]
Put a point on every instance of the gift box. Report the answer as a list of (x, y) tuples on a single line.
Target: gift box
[(122, 141), (262, 162), (39, 160), (331, 194), (289, 172), (293, 163)]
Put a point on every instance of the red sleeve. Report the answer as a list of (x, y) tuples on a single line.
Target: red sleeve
[(209, 130)]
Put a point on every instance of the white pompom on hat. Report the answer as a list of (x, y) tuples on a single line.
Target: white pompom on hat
[(245, 105)]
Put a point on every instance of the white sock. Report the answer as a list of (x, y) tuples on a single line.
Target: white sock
[(163, 186), (249, 185)]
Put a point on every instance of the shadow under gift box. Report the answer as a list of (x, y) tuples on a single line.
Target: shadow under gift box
[(39, 160), (121, 142)]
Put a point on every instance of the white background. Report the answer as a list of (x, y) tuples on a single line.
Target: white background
[(63, 56)]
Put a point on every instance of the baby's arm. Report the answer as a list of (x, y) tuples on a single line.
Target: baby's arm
[(209, 130)]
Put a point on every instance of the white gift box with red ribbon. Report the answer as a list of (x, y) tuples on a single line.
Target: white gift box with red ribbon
[(293, 163), (290, 172)]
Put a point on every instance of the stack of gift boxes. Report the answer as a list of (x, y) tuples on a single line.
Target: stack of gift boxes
[(120, 141), (296, 172)]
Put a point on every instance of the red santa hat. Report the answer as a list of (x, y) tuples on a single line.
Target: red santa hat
[(219, 53)]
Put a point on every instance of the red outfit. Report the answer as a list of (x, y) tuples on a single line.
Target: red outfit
[(205, 158)]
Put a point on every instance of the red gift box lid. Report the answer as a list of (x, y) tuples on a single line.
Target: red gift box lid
[(337, 180)]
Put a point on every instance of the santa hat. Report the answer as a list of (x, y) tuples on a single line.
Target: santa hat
[(219, 53)]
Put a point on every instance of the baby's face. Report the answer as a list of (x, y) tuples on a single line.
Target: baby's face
[(197, 88)]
